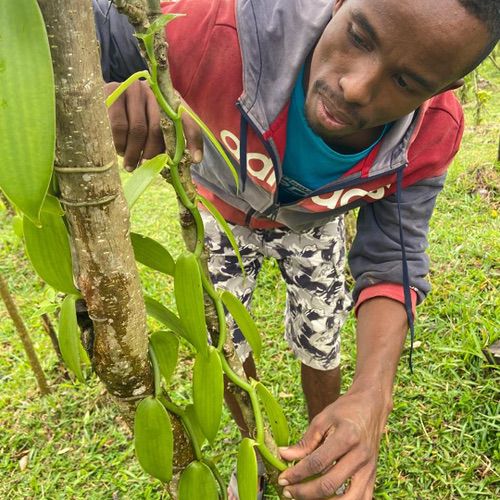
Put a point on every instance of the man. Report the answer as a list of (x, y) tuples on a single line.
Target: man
[(324, 106)]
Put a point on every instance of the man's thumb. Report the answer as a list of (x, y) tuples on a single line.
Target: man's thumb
[(309, 442)]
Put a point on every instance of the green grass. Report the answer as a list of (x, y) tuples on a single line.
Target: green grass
[(442, 440)]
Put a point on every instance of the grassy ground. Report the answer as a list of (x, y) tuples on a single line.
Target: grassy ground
[(442, 439)]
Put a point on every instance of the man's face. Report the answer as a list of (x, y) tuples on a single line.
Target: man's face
[(378, 60)]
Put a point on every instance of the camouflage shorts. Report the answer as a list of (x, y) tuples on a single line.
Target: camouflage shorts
[(312, 265)]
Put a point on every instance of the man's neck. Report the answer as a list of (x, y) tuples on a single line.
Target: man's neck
[(356, 142)]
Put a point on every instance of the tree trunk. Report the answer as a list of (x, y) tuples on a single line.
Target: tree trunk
[(96, 210), (25, 337)]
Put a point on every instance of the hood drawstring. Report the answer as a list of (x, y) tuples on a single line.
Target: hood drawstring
[(243, 152), (406, 276)]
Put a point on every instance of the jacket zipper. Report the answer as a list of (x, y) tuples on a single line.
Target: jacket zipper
[(272, 211)]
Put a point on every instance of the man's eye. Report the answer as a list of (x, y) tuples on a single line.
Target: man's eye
[(401, 82), (357, 40)]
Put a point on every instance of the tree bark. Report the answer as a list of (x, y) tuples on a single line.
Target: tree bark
[(96, 210), (25, 337)]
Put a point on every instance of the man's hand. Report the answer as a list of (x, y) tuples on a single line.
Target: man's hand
[(135, 123), (341, 443)]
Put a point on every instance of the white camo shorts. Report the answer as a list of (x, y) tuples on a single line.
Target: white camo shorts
[(312, 265)]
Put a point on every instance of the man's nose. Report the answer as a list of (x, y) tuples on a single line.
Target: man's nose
[(360, 84)]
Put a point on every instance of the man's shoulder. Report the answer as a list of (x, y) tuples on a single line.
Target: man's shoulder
[(437, 137)]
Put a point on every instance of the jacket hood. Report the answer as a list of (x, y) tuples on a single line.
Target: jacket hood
[(268, 80)]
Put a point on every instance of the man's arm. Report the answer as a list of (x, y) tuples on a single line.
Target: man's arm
[(135, 116), (347, 433)]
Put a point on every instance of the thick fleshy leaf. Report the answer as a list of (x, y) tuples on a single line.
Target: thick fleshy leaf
[(245, 322), (27, 106), (225, 227), (166, 348), (189, 299), (49, 252), (208, 391), (190, 414), (246, 472), (153, 439), (52, 205), (69, 336), (276, 416), (142, 177), (198, 483), (213, 140), (161, 22), (17, 226), (152, 254), (164, 316)]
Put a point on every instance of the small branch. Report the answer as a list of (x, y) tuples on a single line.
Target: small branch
[(25, 338), (49, 328)]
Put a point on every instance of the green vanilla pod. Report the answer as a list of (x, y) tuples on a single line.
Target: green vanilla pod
[(153, 439), (197, 483)]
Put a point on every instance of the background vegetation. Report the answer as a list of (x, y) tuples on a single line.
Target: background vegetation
[(442, 438)]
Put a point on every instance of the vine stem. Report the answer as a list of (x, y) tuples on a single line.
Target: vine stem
[(259, 423), (175, 116), (156, 371), (219, 309), (218, 478), (181, 413)]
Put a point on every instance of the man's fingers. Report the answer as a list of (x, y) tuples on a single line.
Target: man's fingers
[(117, 114), (328, 483), (137, 125), (362, 484), (309, 442), (154, 141), (194, 138), (333, 448)]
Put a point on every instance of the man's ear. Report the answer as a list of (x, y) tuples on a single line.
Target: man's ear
[(337, 6), (452, 86)]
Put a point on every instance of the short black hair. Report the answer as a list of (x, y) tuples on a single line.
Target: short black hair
[(488, 12)]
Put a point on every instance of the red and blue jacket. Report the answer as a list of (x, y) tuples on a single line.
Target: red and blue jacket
[(235, 62)]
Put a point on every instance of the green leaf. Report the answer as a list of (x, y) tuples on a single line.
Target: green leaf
[(153, 439), (208, 391), (164, 316), (166, 348), (69, 336), (276, 416), (188, 291), (190, 414), (113, 97), (27, 107), (246, 470), (49, 251), (225, 227), (160, 22), (198, 483), (17, 226), (52, 205), (245, 322), (152, 254), (142, 177), (212, 139)]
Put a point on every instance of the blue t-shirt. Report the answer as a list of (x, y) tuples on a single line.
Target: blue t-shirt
[(309, 162)]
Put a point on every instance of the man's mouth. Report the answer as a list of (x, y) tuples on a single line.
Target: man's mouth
[(335, 114), (330, 116)]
